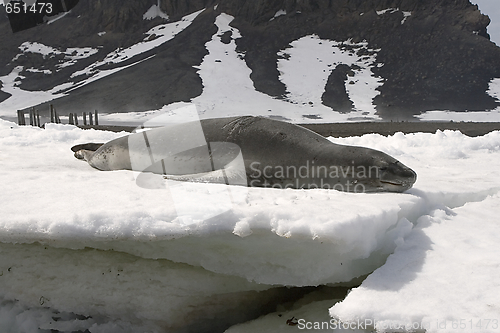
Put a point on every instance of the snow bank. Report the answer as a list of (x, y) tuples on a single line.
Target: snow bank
[(444, 281), (107, 210), (439, 278), (106, 252), (307, 314)]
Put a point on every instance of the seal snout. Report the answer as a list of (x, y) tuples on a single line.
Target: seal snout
[(397, 177)]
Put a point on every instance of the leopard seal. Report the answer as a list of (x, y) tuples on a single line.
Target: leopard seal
[(250, 151)]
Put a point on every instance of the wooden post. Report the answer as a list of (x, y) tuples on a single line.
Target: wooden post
[(85, 119), (52, 120), (20, 118), (31, 117), (91, 121), (76, 119), (38, 119), (56, 117), (71, 121), (96, 118)]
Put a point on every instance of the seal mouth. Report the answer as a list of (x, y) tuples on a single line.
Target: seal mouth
[(397, 177), (392, 183)]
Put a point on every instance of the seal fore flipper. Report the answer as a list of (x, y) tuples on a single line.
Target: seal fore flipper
[(228, 176)]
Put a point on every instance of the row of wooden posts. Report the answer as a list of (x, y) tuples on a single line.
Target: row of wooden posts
[(34, 117)]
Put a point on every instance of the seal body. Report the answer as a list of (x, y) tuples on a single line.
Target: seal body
[(259, 152)]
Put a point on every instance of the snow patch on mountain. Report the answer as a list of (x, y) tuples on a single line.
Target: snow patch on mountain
[(494, 88), (306, 65), (71, 54), (20, 98), (388, 10), (406, 15)]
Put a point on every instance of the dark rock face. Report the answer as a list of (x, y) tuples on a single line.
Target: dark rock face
[(335, 95), (437, 58)]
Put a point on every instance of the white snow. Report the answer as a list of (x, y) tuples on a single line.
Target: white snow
[(57, 17), (85, 239), (405, 16), (450, 252), (172, 111), (494, 88)]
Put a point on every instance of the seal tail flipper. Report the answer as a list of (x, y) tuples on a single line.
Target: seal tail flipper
[(87, 146)]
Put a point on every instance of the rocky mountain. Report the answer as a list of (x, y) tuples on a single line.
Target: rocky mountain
[(389, 58)]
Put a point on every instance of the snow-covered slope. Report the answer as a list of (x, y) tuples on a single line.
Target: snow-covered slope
[(336, 66), (228, 89), (22, 98)]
